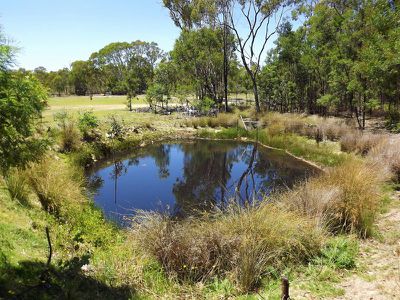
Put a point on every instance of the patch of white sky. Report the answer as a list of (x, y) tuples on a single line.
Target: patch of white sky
[(54, 33)]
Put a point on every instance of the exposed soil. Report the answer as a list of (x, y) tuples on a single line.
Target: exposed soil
[(379, 263)]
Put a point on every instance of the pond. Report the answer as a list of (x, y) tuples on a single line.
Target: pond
[(182, 178)]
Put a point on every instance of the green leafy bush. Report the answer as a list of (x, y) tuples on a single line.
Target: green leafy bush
[(87, 121), (339, 252)]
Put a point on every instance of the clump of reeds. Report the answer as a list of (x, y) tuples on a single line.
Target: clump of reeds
[(360, 143), (55, 183), (17, 185), (225, 120), (386, 158), (240, 243), (70, 137), (345, 199)]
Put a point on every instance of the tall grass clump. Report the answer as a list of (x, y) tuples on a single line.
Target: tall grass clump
[(56, 184), (225, 120), (345, 199), (386, 158), (17, 186), (70, 138), (310, 126), (356, 209), (243, 244), (360, 143)]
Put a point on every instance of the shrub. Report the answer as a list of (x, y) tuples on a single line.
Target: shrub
[(340, 252), (116, 129), (87, 122), (393, 120), (205, 104), (239, 243)]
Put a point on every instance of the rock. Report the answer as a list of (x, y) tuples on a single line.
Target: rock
[(87, 268)]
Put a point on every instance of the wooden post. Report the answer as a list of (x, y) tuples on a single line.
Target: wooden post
[(285, 289), (50, 248), (244, 124)]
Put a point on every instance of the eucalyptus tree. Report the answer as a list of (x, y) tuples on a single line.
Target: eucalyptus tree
[(197, 14), (345, 58), (120, 62), (79, 77), (199, 57), (262, 19)]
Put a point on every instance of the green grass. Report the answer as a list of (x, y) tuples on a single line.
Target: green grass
[(20, 236), (130, 118), (325, 154), (70, 101), (76, 234), (126, 266)]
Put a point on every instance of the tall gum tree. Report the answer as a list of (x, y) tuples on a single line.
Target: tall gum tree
[(262, 20)]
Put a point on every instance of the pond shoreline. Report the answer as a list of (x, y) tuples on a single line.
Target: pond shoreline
[(186, 135), (185, 176)]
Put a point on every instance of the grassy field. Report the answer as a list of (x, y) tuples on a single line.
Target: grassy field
[(69, 101), (103, 107)]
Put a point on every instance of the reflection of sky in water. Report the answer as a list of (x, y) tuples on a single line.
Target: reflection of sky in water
[(178, 178)]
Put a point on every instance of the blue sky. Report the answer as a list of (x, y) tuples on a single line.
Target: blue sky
[(54, 33)]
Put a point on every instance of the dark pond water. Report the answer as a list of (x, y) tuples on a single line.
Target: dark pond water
[(182, 178)]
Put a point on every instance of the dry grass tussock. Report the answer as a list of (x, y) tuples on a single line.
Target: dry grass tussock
[(55, 183), (17, 186), (70, 137), (361, 143), (347, 198), (311, 126), (318, 128), (222, 120), (242, 244), (385, 157)]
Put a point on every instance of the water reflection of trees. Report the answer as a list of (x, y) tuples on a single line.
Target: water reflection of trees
[(95, 183), (118, 170), (207, 177), (206, 170), (161, 156)]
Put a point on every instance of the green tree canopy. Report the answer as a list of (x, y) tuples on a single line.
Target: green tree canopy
[(22, 99)]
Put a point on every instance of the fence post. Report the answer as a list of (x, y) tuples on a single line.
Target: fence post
[(285, 288)]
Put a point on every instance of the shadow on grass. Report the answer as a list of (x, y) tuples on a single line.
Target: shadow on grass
[(33, 280)]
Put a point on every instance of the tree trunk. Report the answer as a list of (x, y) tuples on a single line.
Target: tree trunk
[(256, 99), (226, 64)]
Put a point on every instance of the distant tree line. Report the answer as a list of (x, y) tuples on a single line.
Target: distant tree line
[(344, 57), (118, 69)]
